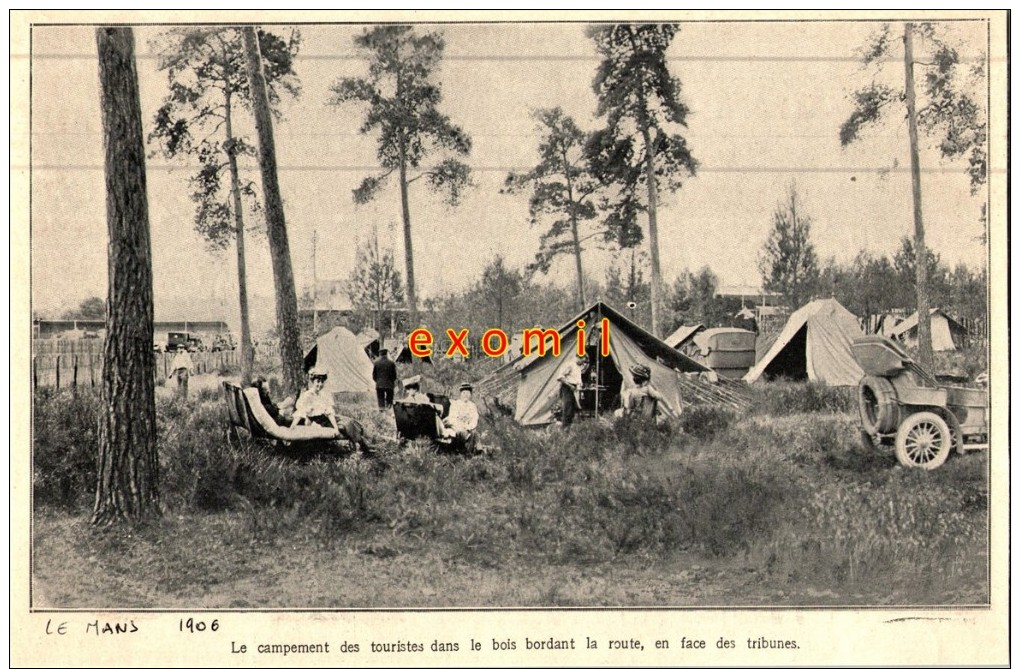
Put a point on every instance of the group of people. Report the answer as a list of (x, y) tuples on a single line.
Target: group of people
[(460, 422), (314, 406), (642, 400), (458, 425)]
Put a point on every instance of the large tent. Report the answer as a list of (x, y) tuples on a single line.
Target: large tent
[(814, 345), (946, 333), (340, 353), (629, 344)]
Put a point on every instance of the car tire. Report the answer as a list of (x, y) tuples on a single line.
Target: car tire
[(879, 409), (923, 440)]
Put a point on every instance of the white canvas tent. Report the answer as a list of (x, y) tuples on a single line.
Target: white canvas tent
[(814, 345), (344, 358), (629, 344), (945, 331)]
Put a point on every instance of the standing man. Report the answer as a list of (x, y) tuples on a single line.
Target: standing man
[(570, 380), (384, 373), (181, 367)]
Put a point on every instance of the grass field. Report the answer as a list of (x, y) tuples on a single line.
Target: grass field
[(779, 505)]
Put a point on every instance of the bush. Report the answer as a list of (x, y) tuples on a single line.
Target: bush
[(705, 421), (910, 535), (782, 398), (65, 432)]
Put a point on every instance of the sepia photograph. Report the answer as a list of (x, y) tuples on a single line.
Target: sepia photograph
[(529, 314)]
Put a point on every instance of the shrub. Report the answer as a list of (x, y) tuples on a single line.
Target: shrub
[(65, 449), (910, 535), (705, 421), (783, 398)]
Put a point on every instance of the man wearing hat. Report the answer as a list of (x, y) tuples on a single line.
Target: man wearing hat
[(384, 373), (643, 399), (463, 417), (571, 379), (181, 367)]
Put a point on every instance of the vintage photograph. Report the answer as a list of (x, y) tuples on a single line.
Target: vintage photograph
[(576, 314)]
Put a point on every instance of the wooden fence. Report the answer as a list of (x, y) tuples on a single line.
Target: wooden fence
[(85, 367)]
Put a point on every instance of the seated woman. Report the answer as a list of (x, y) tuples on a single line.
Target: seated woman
[(413, 395), (313, 405), (463, 418)]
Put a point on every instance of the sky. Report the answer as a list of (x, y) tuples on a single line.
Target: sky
[(766, 100)]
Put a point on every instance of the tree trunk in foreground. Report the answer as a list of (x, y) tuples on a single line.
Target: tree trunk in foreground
[(276, 225), (128, 486), (925, 356)]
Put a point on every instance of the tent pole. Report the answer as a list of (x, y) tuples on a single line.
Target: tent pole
[(598, 366)]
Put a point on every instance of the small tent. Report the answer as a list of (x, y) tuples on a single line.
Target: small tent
[(813, 345), (339, 352), (397, 349), (682, 335), (366, 338), (946, 333), (629, 344)]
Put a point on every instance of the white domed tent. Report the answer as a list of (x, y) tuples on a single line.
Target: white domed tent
[(814, 345), (338, 351)]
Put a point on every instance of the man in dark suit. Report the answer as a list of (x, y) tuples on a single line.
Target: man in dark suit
[(384, 373)]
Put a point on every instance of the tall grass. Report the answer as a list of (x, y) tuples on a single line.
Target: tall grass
[(784, 486)]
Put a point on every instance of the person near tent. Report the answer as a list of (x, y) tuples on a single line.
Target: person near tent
[(571, 379), (181, 367), (384, 373), (644, 400), (461, 422)]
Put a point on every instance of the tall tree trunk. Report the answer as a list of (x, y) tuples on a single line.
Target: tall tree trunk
[(128, 486), (581, 302), (242, 272), (925, 355), (653, 227), (405, 212), (276, 225)]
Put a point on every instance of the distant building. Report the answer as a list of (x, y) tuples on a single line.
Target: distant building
[(331, 307), (79, 329)]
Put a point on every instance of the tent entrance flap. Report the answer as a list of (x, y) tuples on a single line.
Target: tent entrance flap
[(604, 375), (791, 362)]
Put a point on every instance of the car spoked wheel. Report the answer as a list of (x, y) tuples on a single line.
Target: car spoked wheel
[(923, 440)]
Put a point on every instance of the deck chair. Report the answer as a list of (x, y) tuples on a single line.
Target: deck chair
[(245, 411), (415, 421)]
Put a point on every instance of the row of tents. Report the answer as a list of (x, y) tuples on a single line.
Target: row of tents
[(814, 345)]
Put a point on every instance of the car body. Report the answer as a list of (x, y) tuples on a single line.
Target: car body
[(922, 416)]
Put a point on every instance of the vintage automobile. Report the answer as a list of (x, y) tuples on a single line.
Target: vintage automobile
[(224, 342), (175, 341), (924, 418)]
